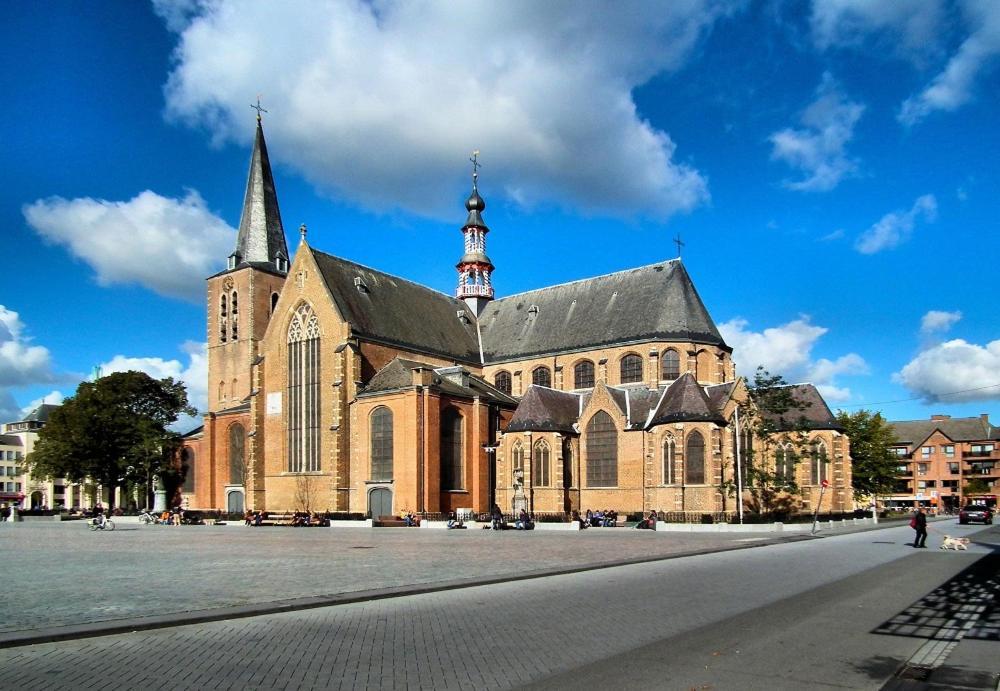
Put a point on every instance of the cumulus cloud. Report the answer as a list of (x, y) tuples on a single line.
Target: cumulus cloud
[(818, 149), (380, 103), (193, 373), (954, 86), (911, 27), (954, 366), (937, 320), (167, 245), (21, 364), (896, 227), (787, 350)]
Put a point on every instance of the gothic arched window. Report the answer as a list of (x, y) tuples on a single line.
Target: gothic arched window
[(187, 464), (631, 369), (237, 454), (540, 469), (452, 467), (541, 376), (381, 442), (234, 321), (820, 463), (784, 462), (670, 365), (583, 375), (502, 382), (694, 460), (669, 470), (517, 462), (223, 318), (602, 451), (304, 398)]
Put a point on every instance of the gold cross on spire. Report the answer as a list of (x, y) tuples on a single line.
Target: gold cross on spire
[(258, 108)]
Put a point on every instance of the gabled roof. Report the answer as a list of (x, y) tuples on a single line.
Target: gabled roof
[(815, 415), (685, 401), (654, 302), (261, 237), (38, 414), (195, 433), (914, 433), (398, 312), (452, 381), (546, 410)]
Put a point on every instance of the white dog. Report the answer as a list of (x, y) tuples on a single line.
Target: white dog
[(955, 543)]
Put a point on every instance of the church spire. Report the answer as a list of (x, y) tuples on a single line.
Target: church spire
[(474, 268), (261, 239)]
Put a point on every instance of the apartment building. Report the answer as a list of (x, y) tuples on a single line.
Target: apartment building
[(944, 461)]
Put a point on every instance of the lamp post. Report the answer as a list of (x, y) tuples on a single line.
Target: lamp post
[(491, 450)]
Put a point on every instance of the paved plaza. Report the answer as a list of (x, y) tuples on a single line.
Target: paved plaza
[(66, 575), (788, 615)]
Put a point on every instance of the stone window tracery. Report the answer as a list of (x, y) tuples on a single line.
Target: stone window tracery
[(502, 382), (694, 459), (583, 375), (670, 365), (602, 451), (541, 376), (540, 470), (669, 469), (381, 442), (304, 399)]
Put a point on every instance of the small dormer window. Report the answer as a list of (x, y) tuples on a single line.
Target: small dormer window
[(533, 310), (281, 263), (234, 259), (359, 283)]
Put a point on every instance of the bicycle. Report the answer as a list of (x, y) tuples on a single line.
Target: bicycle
[(96, 524)]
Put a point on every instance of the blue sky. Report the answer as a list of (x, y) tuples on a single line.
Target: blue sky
[(829, 165)]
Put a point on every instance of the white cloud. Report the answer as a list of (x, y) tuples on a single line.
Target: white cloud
[(896, 227), (380, 103), (912, 27), (937, 320), (954, 366), (52, 397), (787, 350), (818, 150), (194, 374), (21, 364), (953, 87), (167, 245)]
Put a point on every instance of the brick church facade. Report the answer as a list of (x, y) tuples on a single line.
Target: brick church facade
[(337, 387)]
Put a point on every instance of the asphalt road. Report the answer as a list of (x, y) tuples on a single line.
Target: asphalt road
[(838, 612)]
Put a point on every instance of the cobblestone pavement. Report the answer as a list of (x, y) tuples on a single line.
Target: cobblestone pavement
[(65, 574), (490, 637)]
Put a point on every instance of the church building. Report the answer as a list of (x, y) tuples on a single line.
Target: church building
[(337, 387)]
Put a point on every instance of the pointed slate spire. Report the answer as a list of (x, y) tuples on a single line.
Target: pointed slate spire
[(261, 239)]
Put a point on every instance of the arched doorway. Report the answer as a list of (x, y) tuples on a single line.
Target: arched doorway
[(37, 500), (380, 502), (234, 502)]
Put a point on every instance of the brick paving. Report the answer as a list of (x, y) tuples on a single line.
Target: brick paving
[(489, 637), (64, 574)]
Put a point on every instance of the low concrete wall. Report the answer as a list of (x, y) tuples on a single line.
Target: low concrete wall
[(574, 525), (367, 523), (662, 527)]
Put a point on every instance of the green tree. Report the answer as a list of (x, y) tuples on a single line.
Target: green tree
[(772, 421), (975, 486), (874, 465), (112, 431)]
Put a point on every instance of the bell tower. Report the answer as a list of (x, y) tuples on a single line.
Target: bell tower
[(474, 268), (241, 298)]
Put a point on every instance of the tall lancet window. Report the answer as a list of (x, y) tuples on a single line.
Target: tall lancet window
[(303, 391), (234, 321), (223, 317)]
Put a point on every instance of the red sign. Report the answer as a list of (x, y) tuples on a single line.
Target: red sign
[(825, 483)]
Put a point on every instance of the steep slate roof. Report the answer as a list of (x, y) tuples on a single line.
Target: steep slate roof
[(398, 312), (816, 414), (964, 429), (39, 414), (654, 302), (685, 401), (454, 381), (546, 410), (719, 394), (261, 236)]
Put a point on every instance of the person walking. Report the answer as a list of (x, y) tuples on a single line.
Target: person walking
[(919, 524)]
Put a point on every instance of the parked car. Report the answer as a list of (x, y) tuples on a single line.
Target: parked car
[(975, 513)]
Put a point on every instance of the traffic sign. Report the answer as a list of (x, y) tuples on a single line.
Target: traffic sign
[(825, 483)]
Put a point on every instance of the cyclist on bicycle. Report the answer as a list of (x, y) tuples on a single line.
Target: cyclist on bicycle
[(99, 517)]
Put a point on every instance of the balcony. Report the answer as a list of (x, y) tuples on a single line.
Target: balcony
[(979, 454)]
